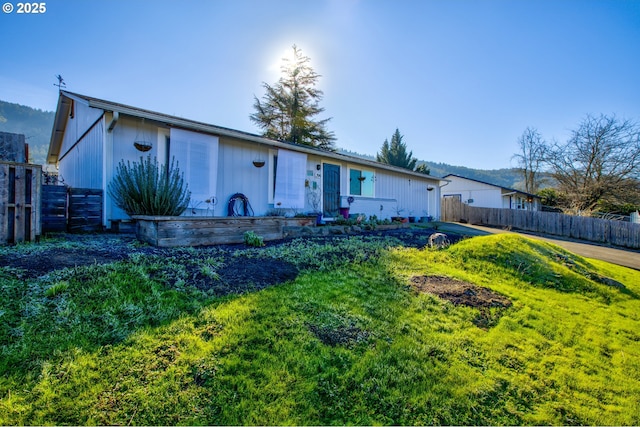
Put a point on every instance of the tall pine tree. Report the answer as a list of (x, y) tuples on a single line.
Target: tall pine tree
[(287, 109), (395, 153)]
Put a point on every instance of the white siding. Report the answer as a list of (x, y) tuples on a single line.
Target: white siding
[(80, 166), (237, 174), (119, 147), (413, 198), (485, 195), (81, 118), (475, 193), (81, 151)]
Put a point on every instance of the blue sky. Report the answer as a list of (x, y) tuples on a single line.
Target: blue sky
[(461, 79)]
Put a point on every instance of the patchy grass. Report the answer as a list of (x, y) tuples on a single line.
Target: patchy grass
[(348, 341)]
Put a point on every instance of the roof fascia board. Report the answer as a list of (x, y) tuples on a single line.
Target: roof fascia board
[(59, 127)]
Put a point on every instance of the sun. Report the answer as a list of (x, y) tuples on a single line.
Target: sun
[(285, 54)]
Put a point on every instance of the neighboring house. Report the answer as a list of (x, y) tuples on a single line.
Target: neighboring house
[(484, 195), (91, 136)]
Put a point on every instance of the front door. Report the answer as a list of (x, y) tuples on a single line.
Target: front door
[(331, 190)]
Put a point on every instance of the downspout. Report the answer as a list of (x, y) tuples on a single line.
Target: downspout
[(114, 121)]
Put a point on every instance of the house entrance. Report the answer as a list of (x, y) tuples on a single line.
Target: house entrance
[(330, 190)]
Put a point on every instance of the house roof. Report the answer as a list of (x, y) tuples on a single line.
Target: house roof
[(511, 190), (66, 98)]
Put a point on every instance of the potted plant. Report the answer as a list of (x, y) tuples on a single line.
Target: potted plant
[(344, 211), (412, 219), (398, 217)]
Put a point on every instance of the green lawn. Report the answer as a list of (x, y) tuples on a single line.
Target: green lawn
[(347, 342)]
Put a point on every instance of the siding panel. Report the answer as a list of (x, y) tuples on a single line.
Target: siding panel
[(82, 166)]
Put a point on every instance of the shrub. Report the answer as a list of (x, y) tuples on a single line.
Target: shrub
[(252, 239), (145, 188)]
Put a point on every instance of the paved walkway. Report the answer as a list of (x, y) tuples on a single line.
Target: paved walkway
[(627, 258)]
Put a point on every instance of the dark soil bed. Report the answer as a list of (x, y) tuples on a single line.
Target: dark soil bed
[(490, 304), (238, 275), (459, 292)]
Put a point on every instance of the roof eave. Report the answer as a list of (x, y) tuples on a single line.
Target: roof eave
[(59, 126)]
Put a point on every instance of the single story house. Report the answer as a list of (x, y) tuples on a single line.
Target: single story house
[(485, 195), (91, 136)]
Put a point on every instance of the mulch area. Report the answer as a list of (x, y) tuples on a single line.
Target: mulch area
[(459, 292), (239, 274), (490, 304)]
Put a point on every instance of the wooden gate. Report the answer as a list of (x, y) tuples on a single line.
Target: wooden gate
[(54, 208), (75, 210), (85, 210)]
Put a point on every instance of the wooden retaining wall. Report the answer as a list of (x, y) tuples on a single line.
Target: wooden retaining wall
[(175, 231), (163, 231), (19, 202), (618, 233)]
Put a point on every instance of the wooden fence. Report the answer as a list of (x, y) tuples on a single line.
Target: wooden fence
[(85, 210), (71, 209), (618, 233), (19, 202), (54, 208)]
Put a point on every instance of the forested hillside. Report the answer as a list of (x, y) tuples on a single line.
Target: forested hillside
[(33, 123)]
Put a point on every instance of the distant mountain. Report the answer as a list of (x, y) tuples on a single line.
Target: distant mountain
[(34, 124), (507, 177)]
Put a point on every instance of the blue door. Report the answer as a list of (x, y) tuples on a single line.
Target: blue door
[(331, 190)]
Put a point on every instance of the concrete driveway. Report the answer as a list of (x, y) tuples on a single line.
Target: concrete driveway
[(628, 258)]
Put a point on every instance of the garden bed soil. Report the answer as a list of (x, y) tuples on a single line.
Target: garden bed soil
[(238, 275), (490, 304), (459, 292)]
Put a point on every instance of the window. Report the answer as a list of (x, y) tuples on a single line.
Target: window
[(290, 176), (196, 155), (361, 182)]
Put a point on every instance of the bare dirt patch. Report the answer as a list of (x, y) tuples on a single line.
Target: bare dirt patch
[(36, 264), (459, 292), (490, 304)]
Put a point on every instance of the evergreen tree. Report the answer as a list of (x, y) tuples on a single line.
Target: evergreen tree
[(287, 108), (423, 168), (395, 153)]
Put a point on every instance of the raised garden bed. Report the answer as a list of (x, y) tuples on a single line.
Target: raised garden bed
[(172, 231)]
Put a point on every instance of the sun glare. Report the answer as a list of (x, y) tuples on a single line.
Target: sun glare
[(277, 60)]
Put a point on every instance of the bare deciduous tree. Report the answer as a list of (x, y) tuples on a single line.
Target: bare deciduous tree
[(599, 163), (531, 158)]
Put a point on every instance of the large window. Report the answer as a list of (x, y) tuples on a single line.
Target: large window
[(197, 157), (361, 182), (291, 170)]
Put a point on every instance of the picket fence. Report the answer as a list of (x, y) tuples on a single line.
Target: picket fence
[(617, 233)]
